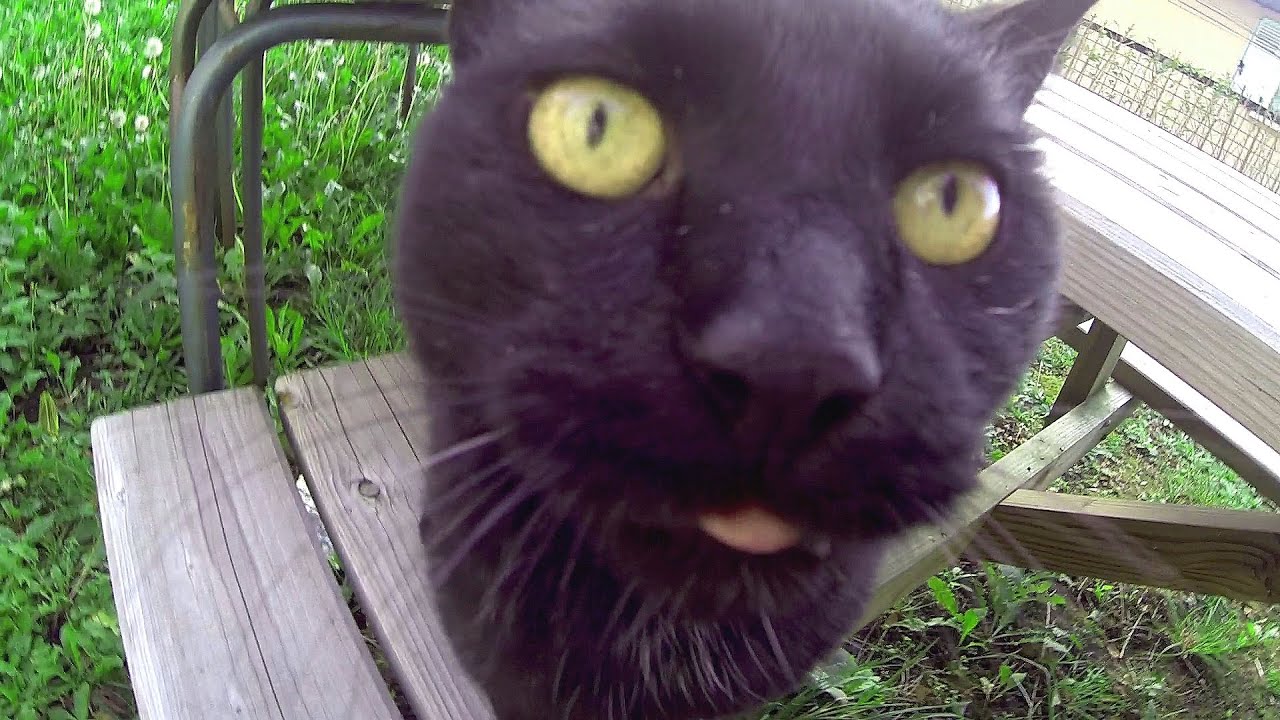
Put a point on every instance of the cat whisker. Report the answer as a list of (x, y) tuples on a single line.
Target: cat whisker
[(443, 503), (462, 447), (1014, 310), (442, 572), (523, 490), (415, 300)]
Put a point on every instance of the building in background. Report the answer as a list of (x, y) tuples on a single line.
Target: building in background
[(1257, 77), (1209, 35)]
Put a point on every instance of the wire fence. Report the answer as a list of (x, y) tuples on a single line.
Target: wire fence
[(1202, 111)]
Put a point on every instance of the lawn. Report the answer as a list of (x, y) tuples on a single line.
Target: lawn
[(89, 325)]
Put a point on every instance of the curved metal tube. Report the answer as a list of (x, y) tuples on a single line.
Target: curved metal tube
[(410, 82), (255, 270), (209, 81)]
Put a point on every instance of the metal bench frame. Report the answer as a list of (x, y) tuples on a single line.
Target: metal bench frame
[(201, 106)]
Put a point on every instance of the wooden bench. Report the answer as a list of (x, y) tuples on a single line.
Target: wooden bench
[(229, 608)]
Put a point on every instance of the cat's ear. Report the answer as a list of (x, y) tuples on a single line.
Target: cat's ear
[(1026, 37), (470, 21)]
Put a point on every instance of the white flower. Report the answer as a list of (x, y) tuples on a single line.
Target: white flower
[(154, 47), (141, 123), (117, 118), (322, 77), (93, 31), (92, 7), (147, 71)]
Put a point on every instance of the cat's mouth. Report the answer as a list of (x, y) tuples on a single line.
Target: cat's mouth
[(751, 529)]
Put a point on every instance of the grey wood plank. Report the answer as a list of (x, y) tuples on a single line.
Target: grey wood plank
[(1213, 551), (228, 608), (1166, 151), (1095, 360), (1110, 202), (358, 431), (1207, 206), (1221, 336), (928, 549)]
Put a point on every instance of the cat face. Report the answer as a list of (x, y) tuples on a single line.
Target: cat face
[(739, 284)]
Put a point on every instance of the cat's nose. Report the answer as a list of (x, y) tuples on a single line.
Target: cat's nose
[(780, 386)]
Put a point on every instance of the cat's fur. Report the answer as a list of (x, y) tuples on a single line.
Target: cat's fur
[(569, 334)]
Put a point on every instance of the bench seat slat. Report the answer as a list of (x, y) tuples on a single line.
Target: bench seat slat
[(359, 433), (227, 605)]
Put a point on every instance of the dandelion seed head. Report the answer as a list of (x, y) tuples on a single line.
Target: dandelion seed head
[(92, 7), (117, 118), (153, 48), (141, 123), (93, 31), (147, 72)]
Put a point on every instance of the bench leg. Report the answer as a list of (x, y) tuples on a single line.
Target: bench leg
[(199, 94), (410, 84), (195, 33), (252, 89), (224, 200), (1092, 369)]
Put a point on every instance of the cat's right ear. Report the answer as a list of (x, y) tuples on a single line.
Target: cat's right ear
[(1027, 35), (469, 22)]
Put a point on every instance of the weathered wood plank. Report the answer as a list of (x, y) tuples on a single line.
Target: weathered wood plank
[(1236, 191), (1203, 207), (1204, 422), (358, 430), (1231, 553), (929, 549), (227, 605), (1096, 358), (1164, 285)]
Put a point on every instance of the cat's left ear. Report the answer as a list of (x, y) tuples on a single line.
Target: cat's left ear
[(1027, 36), (468, 24)]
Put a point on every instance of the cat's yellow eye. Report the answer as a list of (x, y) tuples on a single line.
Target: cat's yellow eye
[(947, 213), (597, 137)]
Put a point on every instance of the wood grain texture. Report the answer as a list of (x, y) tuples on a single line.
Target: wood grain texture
[(359, 433), (1204, 422), (1205, 207), (1231, 553), (1174, 250), (1200, 171), (1034, 464), (1205, 312), (1097, 357), (227, 606)]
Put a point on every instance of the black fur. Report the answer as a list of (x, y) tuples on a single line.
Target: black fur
[(582, 340)]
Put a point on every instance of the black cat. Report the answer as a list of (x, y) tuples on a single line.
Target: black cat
[(713, 297)]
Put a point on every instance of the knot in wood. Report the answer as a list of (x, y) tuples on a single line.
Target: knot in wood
[(368, 488)]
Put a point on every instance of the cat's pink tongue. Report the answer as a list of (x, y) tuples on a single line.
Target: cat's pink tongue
[(751, 529)]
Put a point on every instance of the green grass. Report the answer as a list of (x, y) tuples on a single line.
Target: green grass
[(89, 325)]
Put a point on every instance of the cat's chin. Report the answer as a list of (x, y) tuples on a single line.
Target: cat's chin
[(705, 577)]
